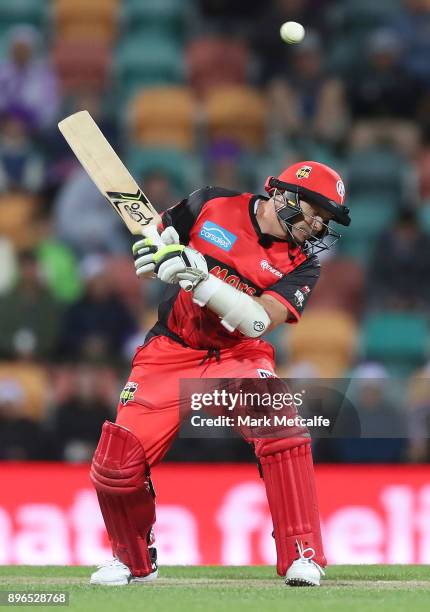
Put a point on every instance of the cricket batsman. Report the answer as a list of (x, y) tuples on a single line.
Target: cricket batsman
[(251, 263)]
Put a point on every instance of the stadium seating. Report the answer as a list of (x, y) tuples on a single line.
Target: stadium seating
[(26, 385), (325, 339), (347, 276), (145, 61), (16, 215), (81, 64), (376, 172), (236, 113), (31, 12), (169, 17), (398, 340), (80, 19), (163, 117), (213, 61), (183, 169), (361, 17), (369, 216)]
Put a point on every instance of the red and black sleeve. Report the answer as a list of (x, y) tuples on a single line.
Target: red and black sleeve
[(184, 214), (293, 289)]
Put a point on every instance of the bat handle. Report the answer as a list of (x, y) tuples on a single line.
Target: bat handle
[(150, 231)]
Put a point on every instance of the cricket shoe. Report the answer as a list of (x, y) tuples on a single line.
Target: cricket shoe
[(116, 573), (304, 571)]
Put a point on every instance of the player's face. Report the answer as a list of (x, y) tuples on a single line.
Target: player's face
[(314, 220)]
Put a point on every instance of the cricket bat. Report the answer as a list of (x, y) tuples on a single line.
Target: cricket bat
[(111, 177)]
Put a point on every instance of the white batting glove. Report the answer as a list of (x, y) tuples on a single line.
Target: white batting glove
[(144, 249), (180, 264)]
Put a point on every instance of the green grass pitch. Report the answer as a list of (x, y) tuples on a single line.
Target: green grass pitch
[(347, 588)]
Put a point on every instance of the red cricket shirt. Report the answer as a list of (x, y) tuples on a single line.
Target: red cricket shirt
[(222, 225)]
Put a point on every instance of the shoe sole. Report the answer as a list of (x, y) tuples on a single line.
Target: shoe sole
[(300, 582), (117, 583), (150, 578), (144, 579)]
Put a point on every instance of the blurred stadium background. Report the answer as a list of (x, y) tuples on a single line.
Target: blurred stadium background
[(194, 92)]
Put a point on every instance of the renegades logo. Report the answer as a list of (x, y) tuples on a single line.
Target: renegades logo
[(301, 295), (128, 392), (304, 172)]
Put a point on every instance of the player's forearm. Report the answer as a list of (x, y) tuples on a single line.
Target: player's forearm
[(236, 309)]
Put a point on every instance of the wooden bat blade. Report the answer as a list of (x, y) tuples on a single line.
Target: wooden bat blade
[(108, 172)]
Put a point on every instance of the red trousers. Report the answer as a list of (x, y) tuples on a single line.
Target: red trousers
[(152, 412)]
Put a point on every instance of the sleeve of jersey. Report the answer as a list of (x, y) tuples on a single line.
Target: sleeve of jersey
[(293, 289)]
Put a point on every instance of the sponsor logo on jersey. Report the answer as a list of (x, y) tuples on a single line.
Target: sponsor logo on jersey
[(227, 275), (266, 373), (127, 394), (217, 235), (304, 172), (265, 265), (300, 296)]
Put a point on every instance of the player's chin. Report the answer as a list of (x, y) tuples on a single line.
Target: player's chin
[(301, 236)]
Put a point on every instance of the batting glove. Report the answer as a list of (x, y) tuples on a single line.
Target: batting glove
[(176, 263), (143, 251)]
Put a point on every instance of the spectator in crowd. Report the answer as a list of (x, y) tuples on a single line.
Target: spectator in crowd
[(29, 315), (147, 319), (22, 392), (84, 221), (57, 261), (98, 325), (47, 309), (28, 81), (76, 422), (21, 165), (383, 426), (384, 99), (159, 189), (418, 401), (225, 166), (228, 15), (423, 160), (8, 266), (400, 262), (308, 102), (412, 23)]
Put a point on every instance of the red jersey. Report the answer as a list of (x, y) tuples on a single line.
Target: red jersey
[(222, 225)]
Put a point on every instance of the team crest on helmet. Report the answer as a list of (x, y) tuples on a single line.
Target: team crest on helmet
[(304, 172), (127, 394), (340, 188)]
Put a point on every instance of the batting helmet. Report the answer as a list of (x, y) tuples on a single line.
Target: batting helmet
[(316, 183)]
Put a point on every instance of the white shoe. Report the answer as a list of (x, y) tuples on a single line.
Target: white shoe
[(116, 573), (111, 573), (304, 571)]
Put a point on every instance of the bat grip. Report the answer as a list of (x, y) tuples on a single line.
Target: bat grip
[(150, 231)]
